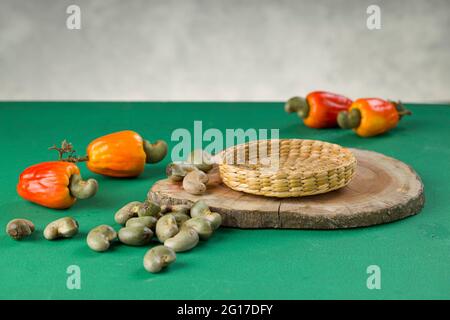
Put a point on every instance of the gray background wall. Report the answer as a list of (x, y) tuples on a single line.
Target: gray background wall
[(223, 50)]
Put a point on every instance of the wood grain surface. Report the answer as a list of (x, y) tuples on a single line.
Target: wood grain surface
[(383, 190)]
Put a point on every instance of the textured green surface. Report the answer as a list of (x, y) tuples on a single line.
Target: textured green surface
[(414, 254)]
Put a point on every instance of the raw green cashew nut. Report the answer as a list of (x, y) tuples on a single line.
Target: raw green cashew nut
[(298, 105), (200, 209), (202, 226), (184, 240), (134, 209), (146, 221), (135, 235), (349, 120), (128, 211), (82, 189), (19, 228), (176, 171), (65, 227), (180, 217), (100, 238), (148, 208), (155, 152), (214, 218), (166, 227), (201, 159), (158, 258)]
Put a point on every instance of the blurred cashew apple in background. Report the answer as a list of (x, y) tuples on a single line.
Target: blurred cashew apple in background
[(370, 117)]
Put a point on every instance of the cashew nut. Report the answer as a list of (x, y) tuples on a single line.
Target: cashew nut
[(136, 208), (149, 208), (128, 211), (195, 182), (65, 227), (202, 226), (19, 228), (135, 235), (200, 209), (180, 217), (82, 189), (155, 152), (147, 221), (214, 218), (176, 171), (158, 258), (100, 238), (184, 240), (166, 227)]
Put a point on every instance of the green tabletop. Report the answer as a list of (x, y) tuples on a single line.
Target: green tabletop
[(413, 254)]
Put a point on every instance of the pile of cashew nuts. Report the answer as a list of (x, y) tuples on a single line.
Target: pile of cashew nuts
[(177, 227)]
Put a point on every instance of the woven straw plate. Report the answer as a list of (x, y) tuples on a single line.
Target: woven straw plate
[(287, 167)]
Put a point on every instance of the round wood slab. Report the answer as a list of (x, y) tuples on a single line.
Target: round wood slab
[(383, 190)]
